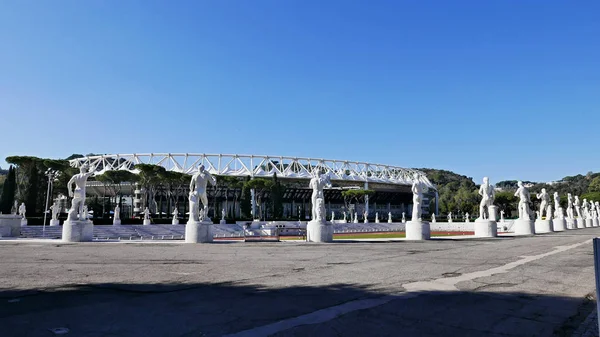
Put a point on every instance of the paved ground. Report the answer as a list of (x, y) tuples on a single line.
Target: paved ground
[(528, 286)]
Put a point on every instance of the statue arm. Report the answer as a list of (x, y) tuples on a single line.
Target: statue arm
[(69, 184), (192, 183), (213, 180)]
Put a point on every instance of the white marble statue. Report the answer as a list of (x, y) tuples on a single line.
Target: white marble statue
[(586, 209), (544, 204), (22, 210), (146, 214), (198, 187), (433, 218), (223, 214), (558, 211), (570, 214), (332, 216), (85, 213), (501, 216), (593, 213), (524, 200), (449, 217), (597, 206), (175, 213), (376, 217), (403, 217), (577, 206), (365, 215), (389, 216), (201, 215), (317, 184), (467, 217), (537, 215), (117, 213), (55, 209), (486, 191), (345, 217), (355, 217), (417, 190), (78, 193), (15, 208)]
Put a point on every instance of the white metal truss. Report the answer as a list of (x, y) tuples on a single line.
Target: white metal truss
[(257, 166)]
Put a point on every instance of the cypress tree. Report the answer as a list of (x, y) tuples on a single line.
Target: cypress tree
[(245, 202), (32, 190), (8, 191)]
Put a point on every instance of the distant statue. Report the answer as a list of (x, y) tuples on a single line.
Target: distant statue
[(78, 193), (593, 213), (117, 213), (501, 216), (55, 209), (558, 211), (198, 187), (389, 215), (417, 190), (201, 215), (449, 217), (223, 214), (586, 209), (577, 206), (377, 217), (403, 217), (466, 217), (570, 214), (597, 204), (332, 216), (486, 191), (146, 214), (22, 210), (355, 217), (14, 208), (345, 217), (433, 218), (544, 204), (365, 215), (318, 183), (524, 200), (85, 214), (175, 213)]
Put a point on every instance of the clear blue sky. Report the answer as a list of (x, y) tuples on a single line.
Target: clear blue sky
[(509, 89)]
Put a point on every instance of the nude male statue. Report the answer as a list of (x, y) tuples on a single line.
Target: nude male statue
[(486, 191), (417, 190), (78, 193), (317, 183), (524, 199), (198, 186), (545, 201)]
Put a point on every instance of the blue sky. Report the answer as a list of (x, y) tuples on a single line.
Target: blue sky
[(509, 89)]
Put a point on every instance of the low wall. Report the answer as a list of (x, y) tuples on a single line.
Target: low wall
[(10, 225)]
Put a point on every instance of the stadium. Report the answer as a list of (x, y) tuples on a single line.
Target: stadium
[(390, 185)]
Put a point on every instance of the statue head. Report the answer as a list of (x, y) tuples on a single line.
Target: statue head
[(569, 195), (83, 168), (543, 190), (520, 183), (201, 168), (486, 180), (556, 194)]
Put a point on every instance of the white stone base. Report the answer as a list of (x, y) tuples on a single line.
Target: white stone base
[(23, 222), (524, 227), (116, 222), (589, 223), (198, 232), (418, 230), (10, 225), (54, 223), (580, 223), (559, 225), (571, 223), (376, 220), (485, 228), (175, 222), (146, 222), (319, 231), (596, 222), (543, 226), (389, 220), (222, 222), (77, 231)]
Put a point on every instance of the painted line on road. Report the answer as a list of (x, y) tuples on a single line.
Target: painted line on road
[(413, 289)]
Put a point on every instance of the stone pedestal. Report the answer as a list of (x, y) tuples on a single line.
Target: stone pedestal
[(389, 220), (485, 228), (493, 213), (175, 222), (78, 231), (198, 232), (222, 222), (418, 230), (596, 222), (543, 226), (54, 223), (570, 223), (319, 231), (589, 223), (559, 225), (10, 225), (23, 222), (524, 227), (116, 222), (146, 222), (580, 223)]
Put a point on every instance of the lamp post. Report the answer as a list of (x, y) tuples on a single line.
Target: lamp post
[(51, 174)]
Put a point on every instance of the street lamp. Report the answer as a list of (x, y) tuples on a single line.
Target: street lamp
[(51, 174)]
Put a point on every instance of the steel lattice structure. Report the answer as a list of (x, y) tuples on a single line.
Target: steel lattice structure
[(257, 166)]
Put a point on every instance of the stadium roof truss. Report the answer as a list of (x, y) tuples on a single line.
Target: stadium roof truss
[(257, 166)]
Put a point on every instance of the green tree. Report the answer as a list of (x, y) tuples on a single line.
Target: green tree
[(277, 191), (246, 202), (506, 201), (150, 178), (8, 191), (260, 186), (355, 196), (594, 185)]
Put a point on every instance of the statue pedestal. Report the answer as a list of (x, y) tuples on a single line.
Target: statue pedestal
[(146, 222), (376, 220), (570, 223), (175, 222), (355, 221), (524, 227), (389, 220), (10, 225), (23, 222), (77, 231), (543, 226), (493, 213), (589, 223), (198, 232), (485, 228), (222, 222), (596, 222), (366, 221), (559, 225), (418, 230), (116, 222), (54, 223), (580, 223), (319, 231)]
